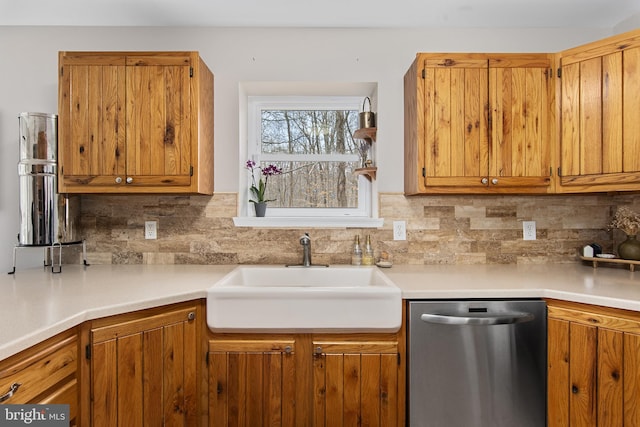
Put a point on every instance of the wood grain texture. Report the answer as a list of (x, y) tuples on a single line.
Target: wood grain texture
[(602, 347), (610, 359), (144, 369), (631, 379), (558, 373), (41, 371), (486, 123), (582, 375), (600, 142), (140, 115), (253, 383)]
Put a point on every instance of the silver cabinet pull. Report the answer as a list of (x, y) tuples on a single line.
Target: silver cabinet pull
[(318, 350), (118, 180), (129, 180), (484, 181), (12, 390), (287, 349), (191, 315), (494, 181), (499, 319)]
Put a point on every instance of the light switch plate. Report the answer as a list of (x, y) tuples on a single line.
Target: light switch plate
[(528, 230), (150, 229)]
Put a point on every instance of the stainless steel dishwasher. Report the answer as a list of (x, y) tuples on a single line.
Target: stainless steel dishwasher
[(477, 363)]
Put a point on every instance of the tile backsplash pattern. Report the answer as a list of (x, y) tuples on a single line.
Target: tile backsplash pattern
[(440, 230)]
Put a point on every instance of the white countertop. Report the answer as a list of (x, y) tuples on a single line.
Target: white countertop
[(36, 304)]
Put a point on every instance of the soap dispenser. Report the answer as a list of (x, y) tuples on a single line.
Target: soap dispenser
[(356, 255), (367, 256)]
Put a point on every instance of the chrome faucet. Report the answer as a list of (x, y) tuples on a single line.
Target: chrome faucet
[(305, 241)]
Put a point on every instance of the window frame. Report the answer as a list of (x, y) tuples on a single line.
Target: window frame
[(364, 215)]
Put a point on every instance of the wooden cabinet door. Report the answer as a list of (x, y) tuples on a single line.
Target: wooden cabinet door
[(135, 122), (456, 105), (252, 382), (143, 371), (479, 124), (520, 147), (593, 366), (158, 111), (356, 383), (600, 116), (91, 127)]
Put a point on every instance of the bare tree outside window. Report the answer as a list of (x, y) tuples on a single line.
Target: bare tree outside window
[(315, 149)]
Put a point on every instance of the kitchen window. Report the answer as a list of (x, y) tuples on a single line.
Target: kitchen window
[(310, 138)]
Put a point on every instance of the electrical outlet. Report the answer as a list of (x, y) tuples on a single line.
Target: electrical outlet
[(528, 230), (150, 229), (399, 230)]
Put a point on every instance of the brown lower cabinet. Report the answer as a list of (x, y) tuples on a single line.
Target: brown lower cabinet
[(306, 379), (593, 366), (143, 368), (46, 373)]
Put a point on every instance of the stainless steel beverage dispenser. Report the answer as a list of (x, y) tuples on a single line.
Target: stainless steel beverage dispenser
[(46, 217)]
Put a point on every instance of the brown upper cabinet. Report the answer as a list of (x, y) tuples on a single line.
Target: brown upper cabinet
[(600, 116), (135, 122), (478, 123)]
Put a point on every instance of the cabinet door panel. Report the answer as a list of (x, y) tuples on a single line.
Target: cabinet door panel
[(153, 378), (142, 374), (610, 369), (582, 375), (92, 123), (158, 101), (594, 359), (520, 153), (631, 109), (356, 384), (600, 126), (558, 373), (252, 383), (104, 384), (631, 379), (455, 121), (129, 369)]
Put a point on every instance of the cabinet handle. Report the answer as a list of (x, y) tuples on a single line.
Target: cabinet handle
[(129, 180), (287, 349), (191, 315), (12, 390), (574, 389), (118, 180), (318, 350), (494, 181), (484, 181)]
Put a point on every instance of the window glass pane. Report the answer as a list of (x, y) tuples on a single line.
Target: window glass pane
[(308, 131), (313, 185)]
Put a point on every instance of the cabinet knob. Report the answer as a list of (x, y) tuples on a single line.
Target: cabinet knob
[(287, 349), (494, 181), (191, 315), (484, 181), (118, 180), (318, 350), (129, 180)]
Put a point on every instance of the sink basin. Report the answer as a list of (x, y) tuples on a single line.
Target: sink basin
[(285, 299)]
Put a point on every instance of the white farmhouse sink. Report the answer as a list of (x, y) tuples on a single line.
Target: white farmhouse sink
[(289, 299)]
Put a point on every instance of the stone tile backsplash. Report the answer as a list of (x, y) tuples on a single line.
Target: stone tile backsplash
[(440, 230)]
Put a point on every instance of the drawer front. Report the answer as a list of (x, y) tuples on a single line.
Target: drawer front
[(39, 372)]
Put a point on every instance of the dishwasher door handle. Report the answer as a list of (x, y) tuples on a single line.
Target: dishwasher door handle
[(500, 319)]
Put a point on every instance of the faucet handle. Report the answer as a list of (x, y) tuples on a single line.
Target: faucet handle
[(305, 239)]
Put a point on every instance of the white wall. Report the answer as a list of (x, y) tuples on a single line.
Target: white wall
[(29, 80)]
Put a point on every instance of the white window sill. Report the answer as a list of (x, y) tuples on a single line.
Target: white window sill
[(301, 222)]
